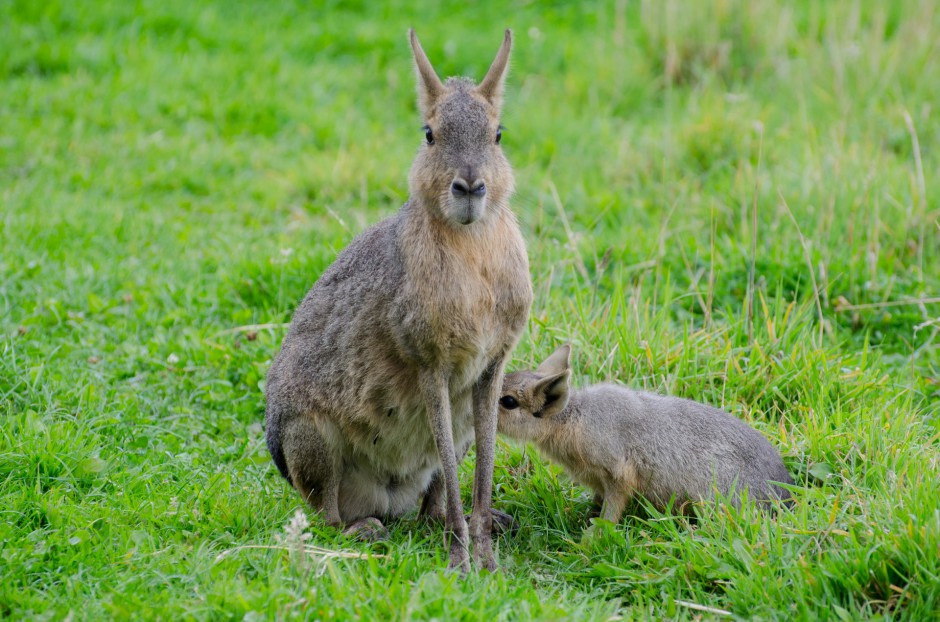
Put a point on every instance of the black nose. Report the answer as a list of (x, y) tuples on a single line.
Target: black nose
[(460, 188)]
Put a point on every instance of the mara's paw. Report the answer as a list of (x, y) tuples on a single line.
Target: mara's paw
[(369, 529), (485, 559), (459, 560), (502, 523)]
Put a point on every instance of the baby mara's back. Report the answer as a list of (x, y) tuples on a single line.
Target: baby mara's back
[(678, 447)]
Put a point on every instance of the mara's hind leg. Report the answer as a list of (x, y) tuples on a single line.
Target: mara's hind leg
[(432, 505), (316, 471), (313, 466)]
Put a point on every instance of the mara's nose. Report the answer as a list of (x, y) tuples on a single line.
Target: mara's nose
[(460, 187)]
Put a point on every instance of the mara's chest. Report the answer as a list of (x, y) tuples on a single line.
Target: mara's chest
[(468, 301)]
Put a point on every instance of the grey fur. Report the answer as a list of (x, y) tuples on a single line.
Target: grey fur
[(619, 442), (393, 361)]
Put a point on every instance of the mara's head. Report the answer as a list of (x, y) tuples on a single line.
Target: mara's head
[(531, 401), (460, 170)]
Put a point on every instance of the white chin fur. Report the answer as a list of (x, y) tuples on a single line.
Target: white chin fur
[(466, 211)]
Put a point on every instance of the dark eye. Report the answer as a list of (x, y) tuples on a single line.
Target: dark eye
[(429, 135), (508, 402), (499, 134)]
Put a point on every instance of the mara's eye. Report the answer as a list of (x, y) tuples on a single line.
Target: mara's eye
[(499, 134), (509, 402), (429, 135)]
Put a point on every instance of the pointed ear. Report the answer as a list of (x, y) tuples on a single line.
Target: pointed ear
[(559, 361), (492, 85), (430, 86), (554, 390)]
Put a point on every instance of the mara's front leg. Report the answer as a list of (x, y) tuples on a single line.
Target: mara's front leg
[(485, 394), (432, 505), (434, 387)]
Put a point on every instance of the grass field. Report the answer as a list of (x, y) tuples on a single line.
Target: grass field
[(733, 201)]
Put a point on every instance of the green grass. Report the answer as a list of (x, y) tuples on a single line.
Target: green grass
[(736, 203)]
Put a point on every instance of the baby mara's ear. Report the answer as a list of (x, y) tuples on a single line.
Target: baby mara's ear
[(552, 393), (559, 361)]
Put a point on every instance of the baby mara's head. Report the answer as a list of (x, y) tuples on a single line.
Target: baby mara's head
[(531, 400)]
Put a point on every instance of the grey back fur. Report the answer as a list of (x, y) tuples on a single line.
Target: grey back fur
[(393, 361), (621, 442)]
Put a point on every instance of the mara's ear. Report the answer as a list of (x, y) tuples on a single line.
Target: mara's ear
[(492, 85), (559, 361), (430, 86), (554, 390)]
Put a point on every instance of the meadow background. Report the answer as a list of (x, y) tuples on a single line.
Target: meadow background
[(733, 201)]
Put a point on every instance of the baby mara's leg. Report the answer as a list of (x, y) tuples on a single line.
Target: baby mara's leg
[(614, 502), (617, 492)]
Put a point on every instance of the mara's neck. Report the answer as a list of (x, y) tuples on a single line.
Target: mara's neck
[(489, 239)]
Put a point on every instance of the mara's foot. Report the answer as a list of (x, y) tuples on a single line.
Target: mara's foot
[(459, 559), (483, 556), (481, 535), (502, 524), (369, 529), (432, 515)]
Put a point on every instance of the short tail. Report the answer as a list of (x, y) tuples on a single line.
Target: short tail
[(273, 436)]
